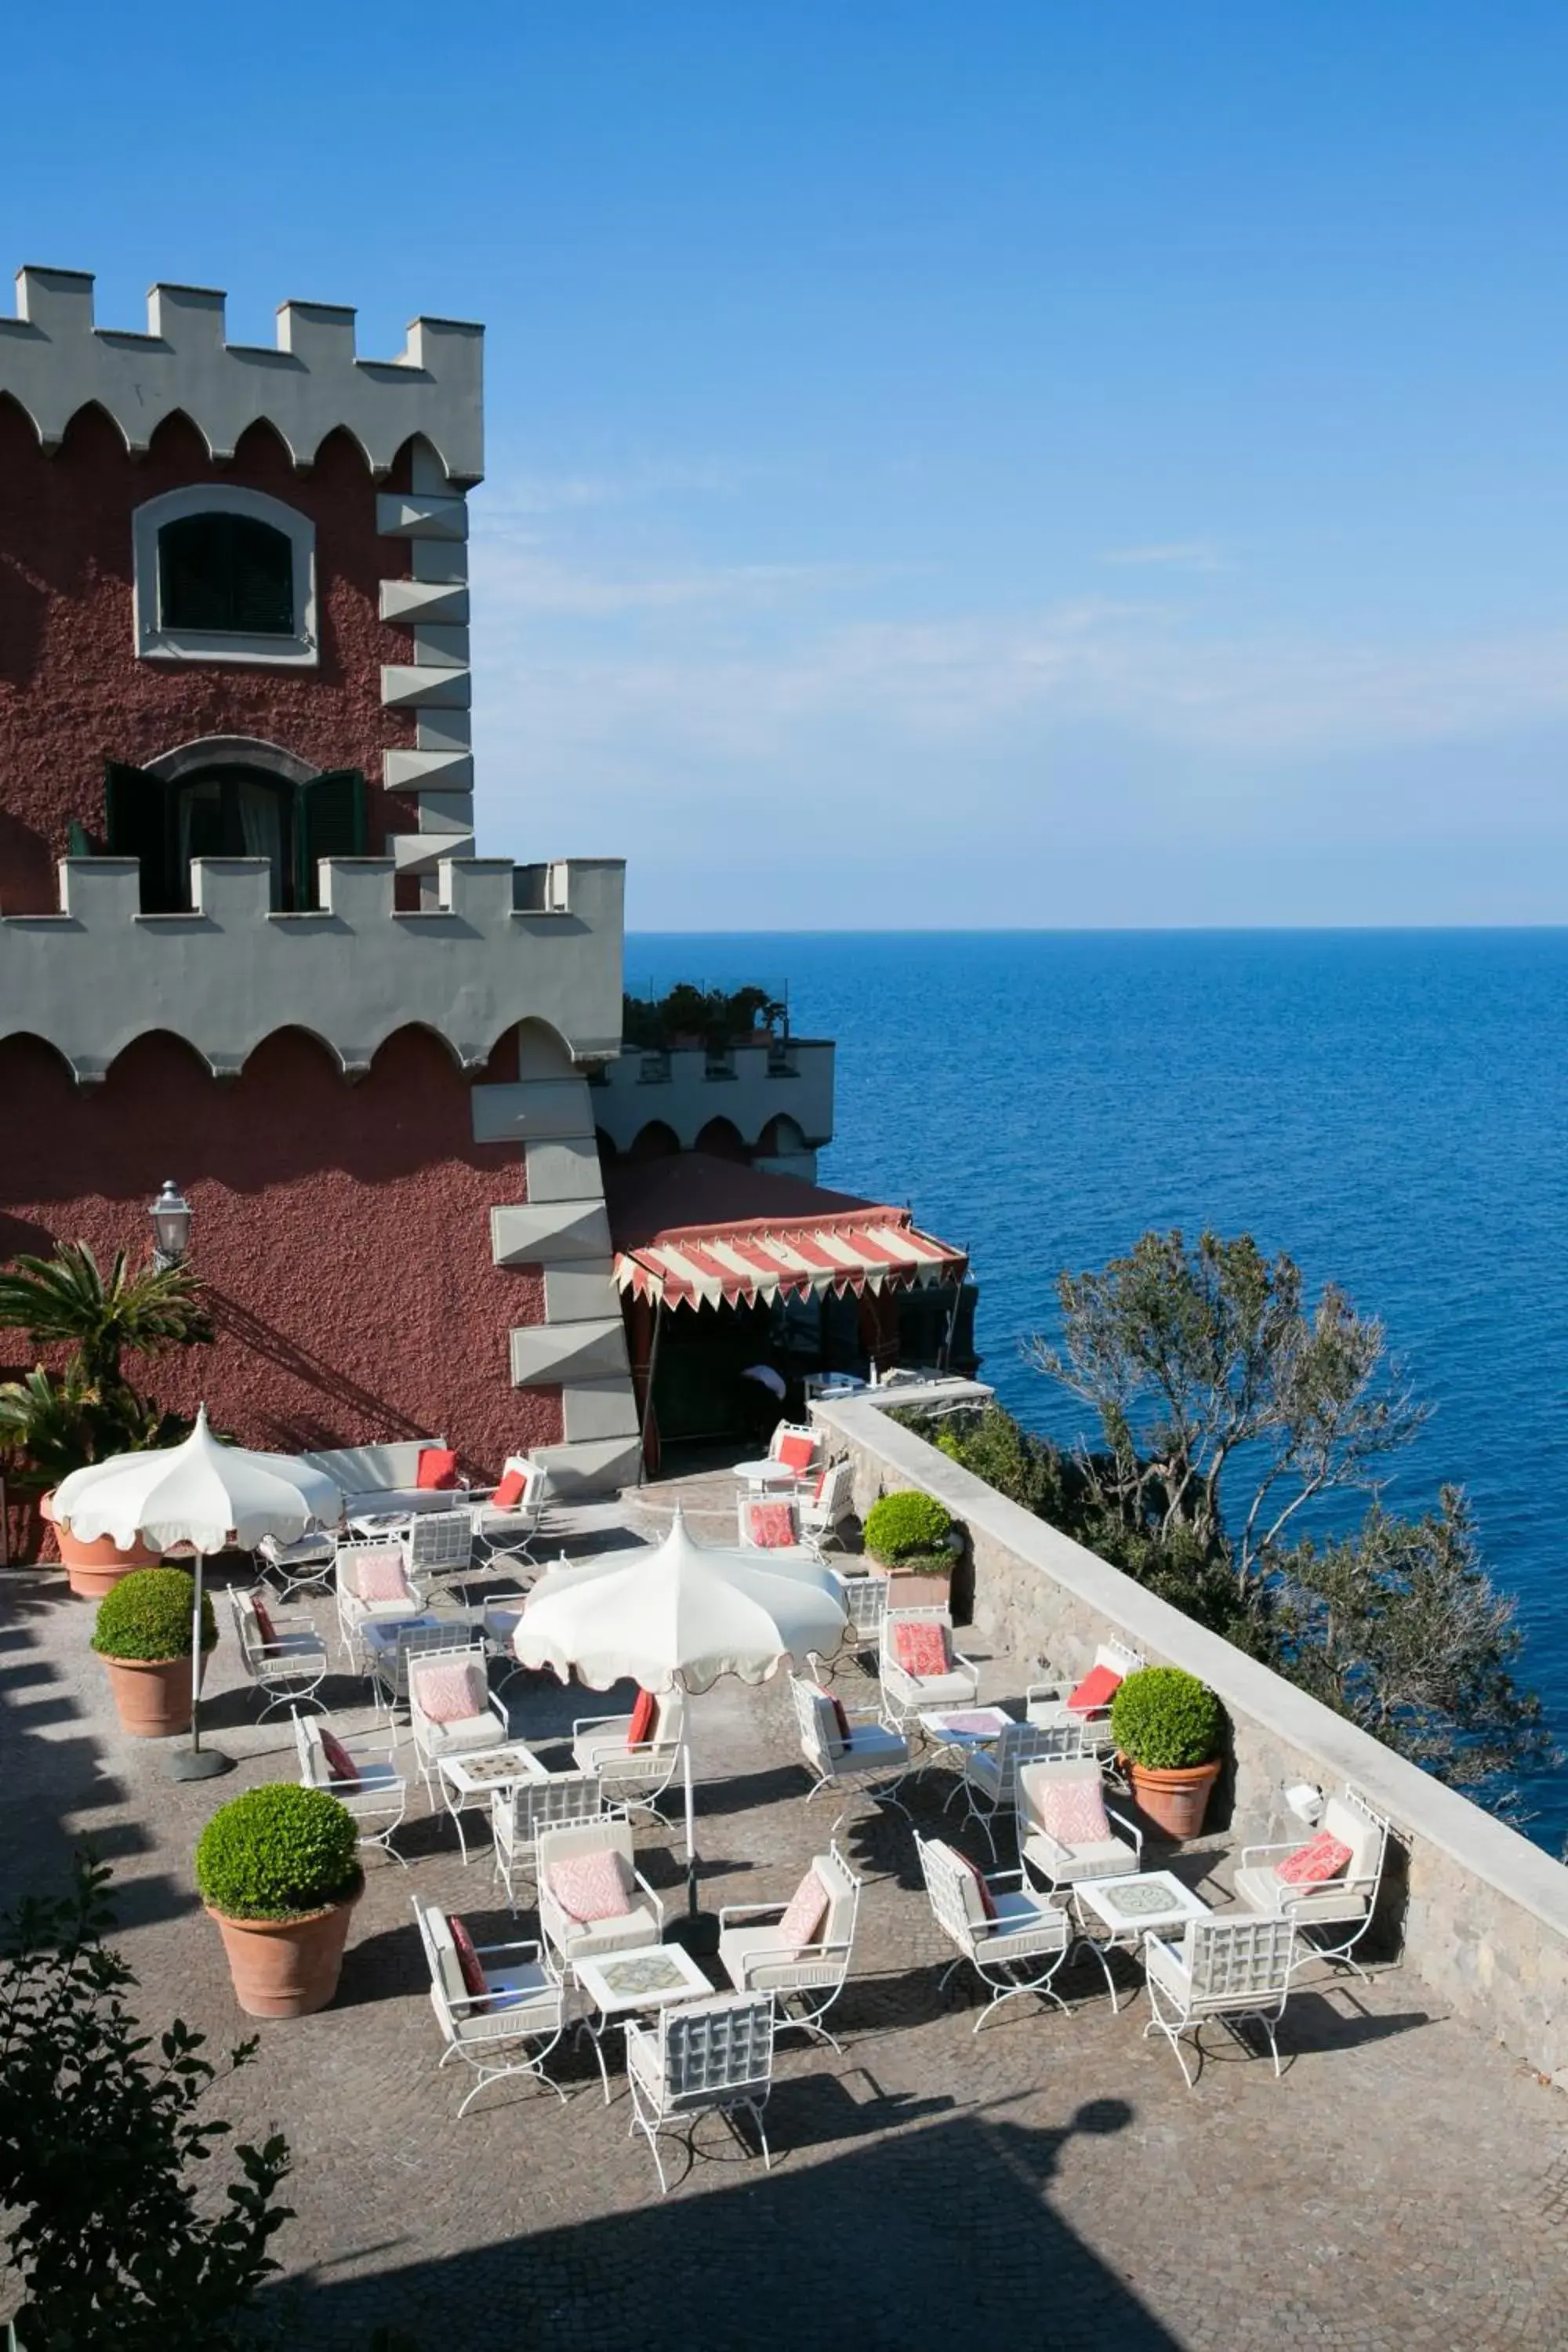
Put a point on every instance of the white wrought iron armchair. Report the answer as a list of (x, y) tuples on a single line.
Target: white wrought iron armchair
[(1065, 1828), (507, 1531), (1052, 1702), (865, 1602), (989, 1783), (372, 1789), (633, 1774), (804, 1979), (438, 1547), (702, 2057), (849, 1748), (504, 2017), (1332, 1914), (1237, 1969), (521, 1815), (952, 1680), (386, 1594), (825, 1505), (436, 1680), (284, 1657), (642, 1921), (1015, 1941)]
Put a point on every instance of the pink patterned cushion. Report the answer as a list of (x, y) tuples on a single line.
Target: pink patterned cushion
[(451, 1694), (1313, 1865), (807, 1910), (590, 1887), (379, 1577), (773, 1526), (795, 1453), (1072, 1811), (922, 1649)]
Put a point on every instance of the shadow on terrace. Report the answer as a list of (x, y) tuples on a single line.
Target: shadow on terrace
[(925, 2228)]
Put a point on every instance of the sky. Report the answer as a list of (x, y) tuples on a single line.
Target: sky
[(966, 465)]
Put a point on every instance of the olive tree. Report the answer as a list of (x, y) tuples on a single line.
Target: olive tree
[(1198, 1356)]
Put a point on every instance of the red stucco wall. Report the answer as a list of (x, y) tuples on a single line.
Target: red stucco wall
[(72, 690), (342, 1231)]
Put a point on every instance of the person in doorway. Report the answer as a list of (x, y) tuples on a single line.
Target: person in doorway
[(763, 1394)]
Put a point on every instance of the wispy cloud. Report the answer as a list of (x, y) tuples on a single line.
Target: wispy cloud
[(1174, 555)]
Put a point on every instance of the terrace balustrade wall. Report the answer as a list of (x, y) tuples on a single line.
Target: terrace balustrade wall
[(1481, 1913)]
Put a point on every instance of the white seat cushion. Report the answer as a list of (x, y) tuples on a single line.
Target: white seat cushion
[(870, 1744), (1022, 1915), (738, 1945), (377, 1779), (468, 1733), (1106, 1858), (640, 1925), (1259, 1889)]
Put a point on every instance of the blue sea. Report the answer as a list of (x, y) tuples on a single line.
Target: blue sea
[(1391, 1108)]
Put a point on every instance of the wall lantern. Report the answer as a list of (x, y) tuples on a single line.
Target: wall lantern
[(170, 1213)]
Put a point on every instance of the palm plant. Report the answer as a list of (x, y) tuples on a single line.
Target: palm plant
[(52, 1422)]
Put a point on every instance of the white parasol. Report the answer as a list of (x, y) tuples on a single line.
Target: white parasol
[(679, 1618), (199, 1497)]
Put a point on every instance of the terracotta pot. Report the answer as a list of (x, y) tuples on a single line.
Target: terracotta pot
[(151, 1696), (93, 1568), (286, 1968), (1177, 1799)]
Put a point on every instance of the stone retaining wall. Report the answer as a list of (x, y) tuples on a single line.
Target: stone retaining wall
[(1485, 1918)]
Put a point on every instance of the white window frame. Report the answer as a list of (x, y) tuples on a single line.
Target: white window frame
[(155, 642)]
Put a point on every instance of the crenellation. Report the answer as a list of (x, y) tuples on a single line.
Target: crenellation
[(55, 361)]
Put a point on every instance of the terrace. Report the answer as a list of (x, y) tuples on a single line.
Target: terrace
[(1405, 2183)]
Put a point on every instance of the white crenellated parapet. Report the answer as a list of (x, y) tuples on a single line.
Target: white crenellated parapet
[(469, 966), (54, 360)]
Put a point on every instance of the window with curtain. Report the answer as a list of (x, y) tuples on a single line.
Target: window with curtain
[(233, 812)]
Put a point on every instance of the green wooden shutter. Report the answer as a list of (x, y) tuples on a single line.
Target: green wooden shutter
[(78, 841), (332, 819), (139, 822)]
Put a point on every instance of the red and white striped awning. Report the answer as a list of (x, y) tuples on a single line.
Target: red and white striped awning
[(739, 1264)]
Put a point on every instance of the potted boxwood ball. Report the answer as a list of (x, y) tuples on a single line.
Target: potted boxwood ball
[(279, 1870), (142, 1633), (1170, 1727), (912, 1533)]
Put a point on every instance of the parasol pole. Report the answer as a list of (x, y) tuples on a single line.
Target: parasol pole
[(196, 1762)]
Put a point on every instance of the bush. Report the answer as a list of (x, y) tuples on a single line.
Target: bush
[(278, 1852), (908, 1526), (148, 1615), (1166, 1720)]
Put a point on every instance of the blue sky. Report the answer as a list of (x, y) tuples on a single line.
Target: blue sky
[(1030, 464)]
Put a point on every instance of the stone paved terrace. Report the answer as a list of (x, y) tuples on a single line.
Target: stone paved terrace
[(1405, 2184)]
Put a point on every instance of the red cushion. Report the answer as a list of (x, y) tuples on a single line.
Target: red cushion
[(922, 1649), (645, 1714), (438, 1468), (1313, 1865), (473, 1974), (987, 1900), (339, 1763), (773, 1526), (795, 1451), (843, 1720), (822, 1477), (509, 1493), (264, 1625), (1097, 1688)]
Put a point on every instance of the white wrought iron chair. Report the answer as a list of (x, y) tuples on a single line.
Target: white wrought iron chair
[(633, 1777), (797, 1447), (804, 1979), (642, 1922), (1237, 1969), (701, 2057), (438, 1547), (1015, 1941), (388, 1647), (1332, 1914), (771, 1523), (1059, 1835), (521, 1813), (373, 1791), (1048, 1702), (508, 1532), (511, 2017), (849, 1748), (907, 1691), (435, 1736), (284, 1657), (825, 1505), (302, 1565), (356, 1609), (865, 1602), (989, 1782)]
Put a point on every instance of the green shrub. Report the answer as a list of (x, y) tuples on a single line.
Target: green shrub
[(148, 1615), (908, 1526), (1166, 1720), (278, 1852)]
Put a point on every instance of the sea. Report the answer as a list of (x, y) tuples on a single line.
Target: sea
[(1391, 1108)]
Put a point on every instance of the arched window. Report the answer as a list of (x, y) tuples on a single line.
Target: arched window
[(225, 574), (229, 810)]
